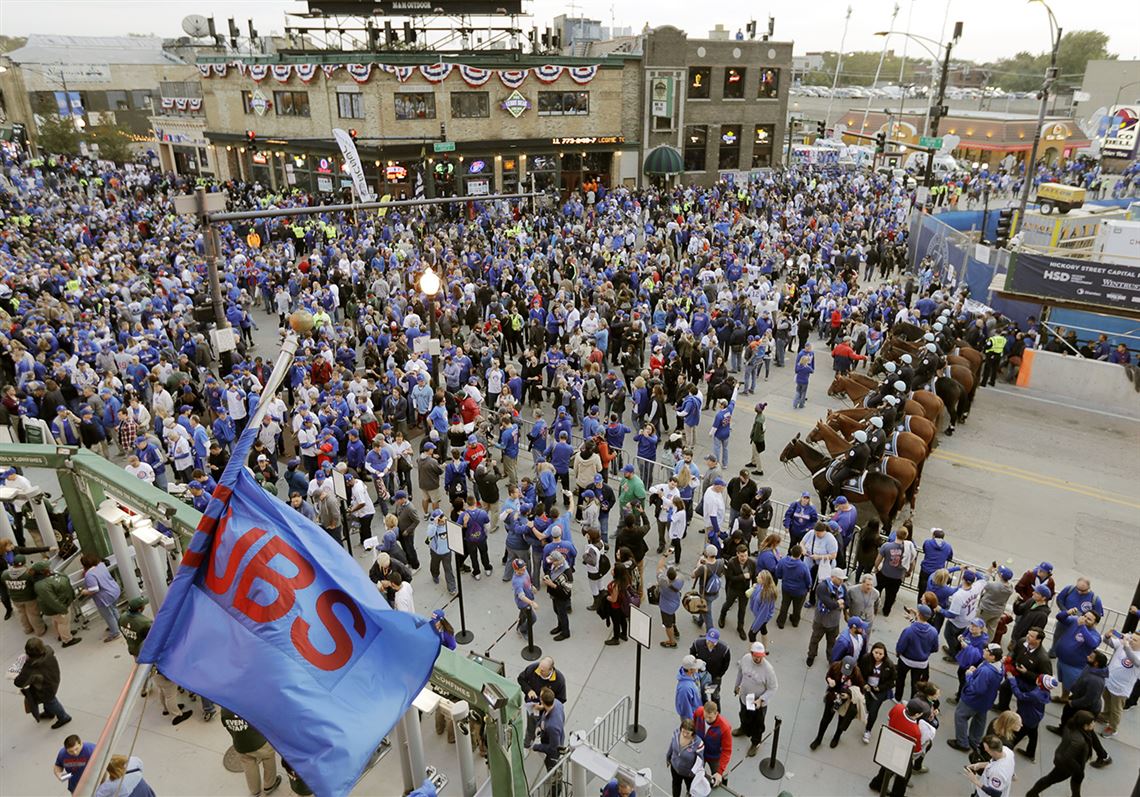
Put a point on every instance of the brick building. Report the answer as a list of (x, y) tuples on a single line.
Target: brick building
[(507, 121), (721, 103)]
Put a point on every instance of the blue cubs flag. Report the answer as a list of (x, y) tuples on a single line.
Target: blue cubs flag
[(271, 618)]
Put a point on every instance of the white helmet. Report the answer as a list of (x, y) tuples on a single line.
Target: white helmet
[(892, 400), (890, 367), (938, 326), (929, 336), (861, 436), (876, 421), (906, 358), (900, 385), (931, 347)]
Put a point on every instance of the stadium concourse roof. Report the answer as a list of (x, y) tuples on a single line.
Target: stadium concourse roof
[(42, 48)]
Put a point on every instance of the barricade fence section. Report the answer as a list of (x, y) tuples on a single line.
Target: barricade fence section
[(604, 735)]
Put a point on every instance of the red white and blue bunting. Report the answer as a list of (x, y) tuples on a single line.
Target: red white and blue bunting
[(182, 103), (359, 72), (513, 78), (474, 75), (432, 73), (548, 73), (306, 72), (436, 73), (583, 74)]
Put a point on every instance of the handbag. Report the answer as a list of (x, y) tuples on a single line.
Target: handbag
[(653, 594), (694, 603)]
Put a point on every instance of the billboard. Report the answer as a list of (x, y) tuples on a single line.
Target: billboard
[(1106, 285), (1120, 137), (412, 8)]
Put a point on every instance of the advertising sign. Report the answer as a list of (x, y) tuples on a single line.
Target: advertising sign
[(1079, 281), (1120, 138), (661, 97), (353, 165)]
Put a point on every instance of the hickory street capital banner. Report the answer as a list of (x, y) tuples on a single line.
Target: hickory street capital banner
[(1111, 285)]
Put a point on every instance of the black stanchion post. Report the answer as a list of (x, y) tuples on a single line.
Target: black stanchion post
[(770, 767), (464, 636), (532, 651), (637, 731)]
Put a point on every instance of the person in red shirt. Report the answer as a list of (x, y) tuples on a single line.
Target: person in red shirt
[(843, 356), (903, 719), (475, 454), (836, 323), (716, 733)]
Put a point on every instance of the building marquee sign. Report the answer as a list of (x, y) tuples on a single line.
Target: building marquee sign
[(574, 141)]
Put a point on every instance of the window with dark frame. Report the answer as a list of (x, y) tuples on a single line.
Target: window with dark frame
[(733, 83), (563, 103), (699, 79), (350, 105), (415, 105), (696, 142), (729, 155), (769, 87), (762, 146), (291, 103), (470, 105), (246, 103)]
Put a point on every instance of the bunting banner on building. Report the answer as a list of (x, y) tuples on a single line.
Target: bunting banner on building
[(180, 103), (583, 74), (194, 103), (436, 73), (474, 75), (432, 73), (513, 78), (359, 72), (548, 73)]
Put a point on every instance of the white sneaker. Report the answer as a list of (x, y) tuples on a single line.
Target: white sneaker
[(866, 737)]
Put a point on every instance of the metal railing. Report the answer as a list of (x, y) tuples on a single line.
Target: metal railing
[(604, 735)]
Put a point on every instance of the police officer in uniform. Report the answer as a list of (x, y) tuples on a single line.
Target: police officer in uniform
[(906, 370), (258, 759), (135, 626), (876, 438), (890, 414), (995, 348), (21, 590), (852, 463)]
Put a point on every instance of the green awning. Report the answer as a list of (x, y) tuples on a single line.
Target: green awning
[(664, 160)]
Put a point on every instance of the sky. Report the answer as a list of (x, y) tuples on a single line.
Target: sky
[(992, 28)]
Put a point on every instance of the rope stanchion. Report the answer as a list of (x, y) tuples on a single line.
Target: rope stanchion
[(771, 767)]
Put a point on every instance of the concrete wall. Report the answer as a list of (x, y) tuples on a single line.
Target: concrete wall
[(1086, 383)]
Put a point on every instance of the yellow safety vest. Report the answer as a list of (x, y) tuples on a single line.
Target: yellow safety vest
[(997, 344)]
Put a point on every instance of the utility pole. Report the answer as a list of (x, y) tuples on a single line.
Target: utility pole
[(936, 112), (213, 249), (838, 68), (1031, 164)]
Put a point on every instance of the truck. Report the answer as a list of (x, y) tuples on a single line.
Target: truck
[(1059, 197)]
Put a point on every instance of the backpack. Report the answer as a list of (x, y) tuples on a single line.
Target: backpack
[(712, 581), (603, 564)]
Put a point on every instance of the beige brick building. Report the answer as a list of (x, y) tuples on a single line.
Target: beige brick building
[(555, 131)]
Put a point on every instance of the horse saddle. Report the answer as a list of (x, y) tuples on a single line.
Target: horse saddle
[(845, 482), (947, 373), (892, 447)]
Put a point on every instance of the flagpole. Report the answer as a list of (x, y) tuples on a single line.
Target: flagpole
[(300, 322)]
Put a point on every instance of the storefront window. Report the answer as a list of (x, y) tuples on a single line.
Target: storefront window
[(563, 103), (510, 175), (415, 105), (729, 157), (470, 105), (291, 103), (699, 79), (544, 170), (769, 84), (696, 140), (733, 83), (762, 146)]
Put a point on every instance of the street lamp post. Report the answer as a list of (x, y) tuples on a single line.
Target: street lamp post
[(1050, 77), (430, 284)]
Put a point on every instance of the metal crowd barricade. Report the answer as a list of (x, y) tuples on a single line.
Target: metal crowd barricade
[(604, 735)]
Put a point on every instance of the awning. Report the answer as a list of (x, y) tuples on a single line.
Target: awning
[(664, 160)]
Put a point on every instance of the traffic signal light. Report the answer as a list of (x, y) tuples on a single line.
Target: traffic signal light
[(1004, 225), (880, 142), (251, 139), (821, 129), (352, 133)]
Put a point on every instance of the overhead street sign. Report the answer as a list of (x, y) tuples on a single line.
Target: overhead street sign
[(933, 143), (443, 146)]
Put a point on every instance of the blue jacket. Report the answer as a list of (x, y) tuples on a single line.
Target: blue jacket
[(762, 610), (794, 576), (691, 407), (800, 519), (559, 455), (917, 642), (1074, 642), (722, 423), (688, 697), (935, 554), (509, 441), (1069, 598), (804, 372), (646, 446), (982, 686), (971, 653), (1030, 702)]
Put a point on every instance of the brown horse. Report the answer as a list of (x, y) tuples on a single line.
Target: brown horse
[(852, 419), (856, 392), (879, 489), (904, 471), (929, 405)]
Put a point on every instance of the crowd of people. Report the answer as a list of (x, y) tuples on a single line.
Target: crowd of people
[(584, 353)]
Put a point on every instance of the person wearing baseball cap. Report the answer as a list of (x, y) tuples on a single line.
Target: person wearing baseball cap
[(716, 657), (915, 645), (973, 644), (1034, 576), (903, 719), (978, 694), (687, 696), (755, 686), (1031, 701)]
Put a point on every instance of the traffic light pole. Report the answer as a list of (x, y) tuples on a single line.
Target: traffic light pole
[(938, 110), (1031, 164)]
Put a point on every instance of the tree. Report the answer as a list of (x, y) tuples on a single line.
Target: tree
[(58, 135), (1025, 71), (114, 142)]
